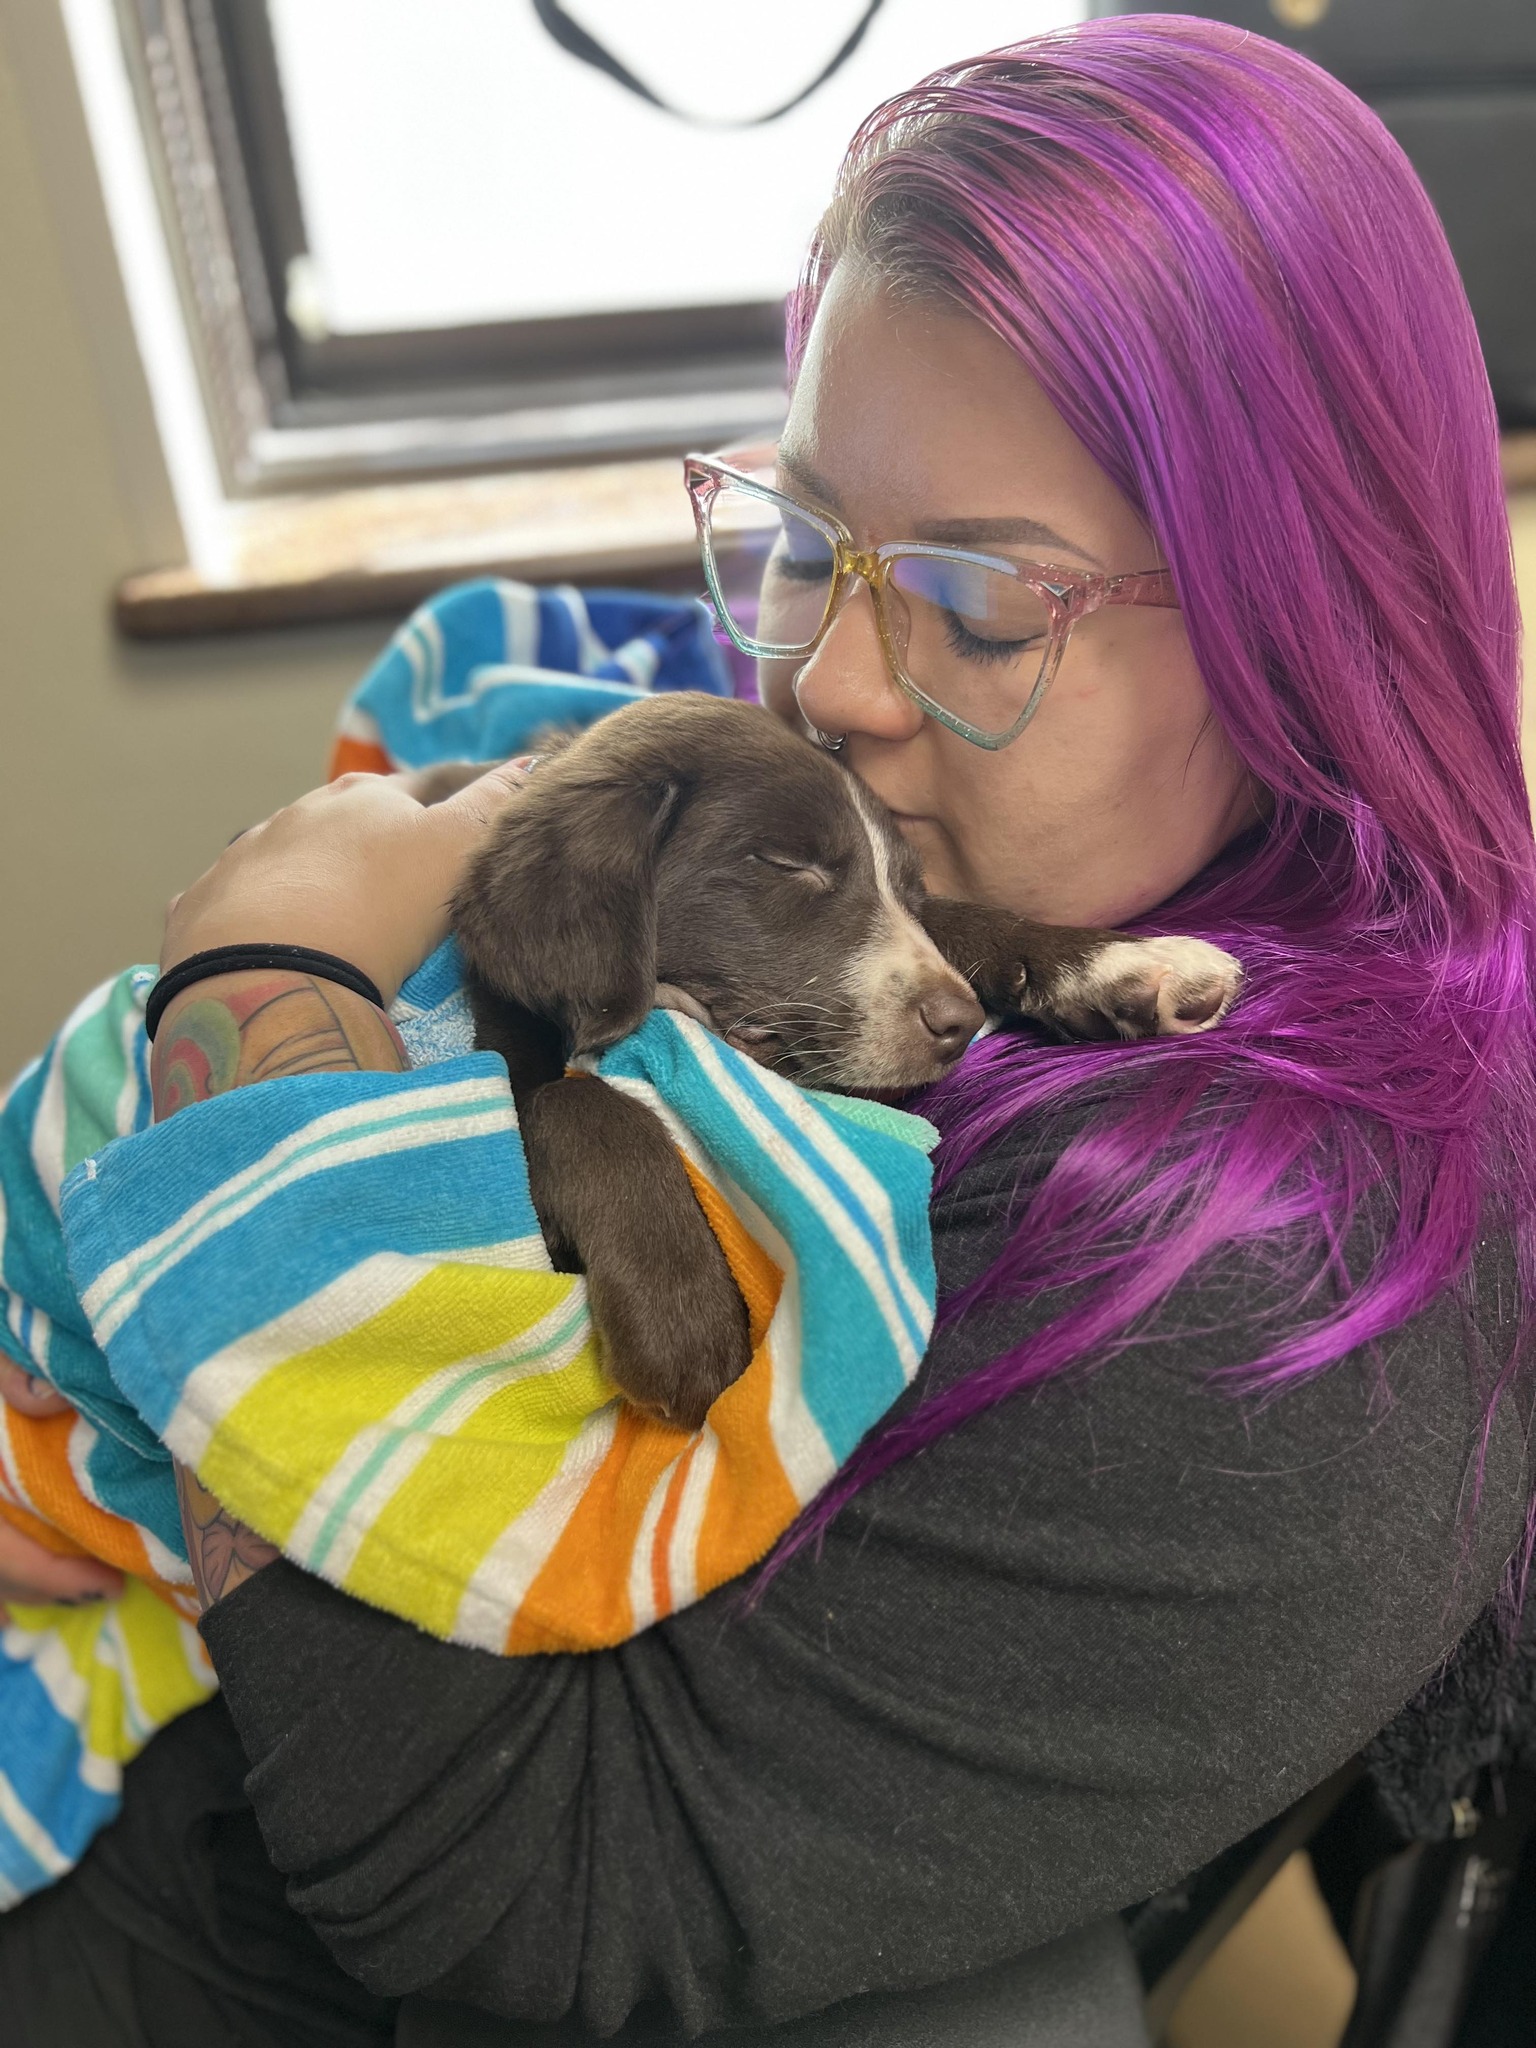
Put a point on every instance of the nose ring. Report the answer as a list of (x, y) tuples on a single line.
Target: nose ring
[(829, 742)]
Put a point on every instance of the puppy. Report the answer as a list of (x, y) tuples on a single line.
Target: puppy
[(692, 852)]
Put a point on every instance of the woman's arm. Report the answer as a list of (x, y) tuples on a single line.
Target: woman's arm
[(1051, 1665), (1055, 1662), (360, 869), (226, 1033)]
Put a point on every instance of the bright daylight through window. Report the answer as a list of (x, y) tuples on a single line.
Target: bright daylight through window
[(458, 244), (479, 173)]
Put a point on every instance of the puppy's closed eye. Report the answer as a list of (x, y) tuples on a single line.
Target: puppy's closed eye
[(803, 870)]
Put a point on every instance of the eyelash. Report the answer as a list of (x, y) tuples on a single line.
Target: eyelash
[(808, 870), (972, 647), (792, 570), (968, 645)]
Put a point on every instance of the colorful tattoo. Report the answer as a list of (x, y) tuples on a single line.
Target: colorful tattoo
[(226, 1033), (245, 1028)]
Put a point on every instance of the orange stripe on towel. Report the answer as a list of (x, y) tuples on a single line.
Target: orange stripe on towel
[(42, 1533), (585, 1579), (351, 757), (39, 1447), (666, 1523), (751, 1501), (754, 1272)]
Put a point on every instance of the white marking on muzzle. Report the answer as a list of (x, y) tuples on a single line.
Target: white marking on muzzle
[(887, 976)]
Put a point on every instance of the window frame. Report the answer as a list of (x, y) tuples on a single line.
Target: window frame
[(289, 410)]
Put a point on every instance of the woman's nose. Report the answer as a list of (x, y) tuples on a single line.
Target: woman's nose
[(846, 685)]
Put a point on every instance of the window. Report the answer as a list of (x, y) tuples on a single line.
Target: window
[(419, 239)]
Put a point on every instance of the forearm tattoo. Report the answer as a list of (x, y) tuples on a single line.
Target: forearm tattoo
[(222, 1551), (247, 1028), (240, 1029)]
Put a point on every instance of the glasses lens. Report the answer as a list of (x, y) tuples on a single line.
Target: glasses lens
[(771, 569), (973, 639)]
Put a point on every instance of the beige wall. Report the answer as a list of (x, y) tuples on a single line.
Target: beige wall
[(1522, 516), (124, 768)]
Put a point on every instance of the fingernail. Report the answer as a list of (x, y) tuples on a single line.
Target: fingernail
[(39, 1386)]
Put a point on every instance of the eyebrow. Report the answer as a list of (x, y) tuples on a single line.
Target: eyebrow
[(970, 533), (808, 479), (949, 533)]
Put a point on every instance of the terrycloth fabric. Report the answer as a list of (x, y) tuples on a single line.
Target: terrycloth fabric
[(81, 1689), (421, 1419), (427, 1424), (476, 672)]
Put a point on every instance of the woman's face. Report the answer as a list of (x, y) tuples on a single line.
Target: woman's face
[(916, 423)]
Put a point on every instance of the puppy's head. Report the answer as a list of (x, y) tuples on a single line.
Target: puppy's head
[(693, 851)]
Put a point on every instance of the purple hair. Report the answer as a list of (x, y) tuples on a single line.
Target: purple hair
[(1230, 284)]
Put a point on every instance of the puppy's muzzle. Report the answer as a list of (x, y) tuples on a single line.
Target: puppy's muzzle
[(916, 1019), (951, 1017)]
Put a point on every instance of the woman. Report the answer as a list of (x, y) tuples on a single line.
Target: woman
[(1221, 1435)]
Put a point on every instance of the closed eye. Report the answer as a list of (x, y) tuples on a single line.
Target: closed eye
[(803, 568), (978, 647), (803, 870)]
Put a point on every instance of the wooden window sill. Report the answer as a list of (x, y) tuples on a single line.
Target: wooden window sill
[(380, 549)]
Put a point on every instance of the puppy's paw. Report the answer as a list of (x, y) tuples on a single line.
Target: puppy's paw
[(1147, 988), (673, 1337)]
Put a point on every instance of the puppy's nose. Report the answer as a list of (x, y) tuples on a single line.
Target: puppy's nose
[(952, 1017)]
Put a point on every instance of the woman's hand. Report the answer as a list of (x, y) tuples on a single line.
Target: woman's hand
[(28, 1573), (361, 868)]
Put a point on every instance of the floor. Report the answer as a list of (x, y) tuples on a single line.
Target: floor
[(1282, 1979)]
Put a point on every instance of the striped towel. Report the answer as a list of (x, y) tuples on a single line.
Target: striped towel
[(478, 670), (331, 1296), (81, 1689)]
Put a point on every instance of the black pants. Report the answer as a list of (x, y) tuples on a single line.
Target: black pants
[(173, 1932)]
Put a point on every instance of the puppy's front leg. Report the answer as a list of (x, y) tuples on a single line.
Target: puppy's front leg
[(615, 1202), (1081, 981)]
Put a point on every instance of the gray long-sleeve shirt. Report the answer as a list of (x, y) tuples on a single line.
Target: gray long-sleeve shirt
[(1052, 1664)]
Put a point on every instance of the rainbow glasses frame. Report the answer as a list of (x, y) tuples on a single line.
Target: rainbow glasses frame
[(1069, 594)]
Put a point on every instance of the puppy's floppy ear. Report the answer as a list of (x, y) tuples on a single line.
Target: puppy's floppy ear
[(558, 910)]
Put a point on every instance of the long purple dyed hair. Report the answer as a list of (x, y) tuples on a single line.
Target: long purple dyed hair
[(1231, 285)]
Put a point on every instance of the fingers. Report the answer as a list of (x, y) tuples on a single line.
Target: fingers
[(29, 1573), (27, 1393), (481, 802), (32, 1575), (365, 867), (435, 785)]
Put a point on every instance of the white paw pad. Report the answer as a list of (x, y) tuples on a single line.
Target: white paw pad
[(1154, 988)]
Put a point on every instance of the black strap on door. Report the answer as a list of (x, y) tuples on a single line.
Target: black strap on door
[(575, 40)]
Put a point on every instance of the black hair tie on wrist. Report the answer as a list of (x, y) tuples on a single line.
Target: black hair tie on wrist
[(238, 959)]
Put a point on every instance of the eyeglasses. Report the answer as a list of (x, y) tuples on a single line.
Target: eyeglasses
[(972, 638)]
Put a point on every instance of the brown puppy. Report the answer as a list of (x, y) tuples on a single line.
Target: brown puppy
[(691, 852)]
